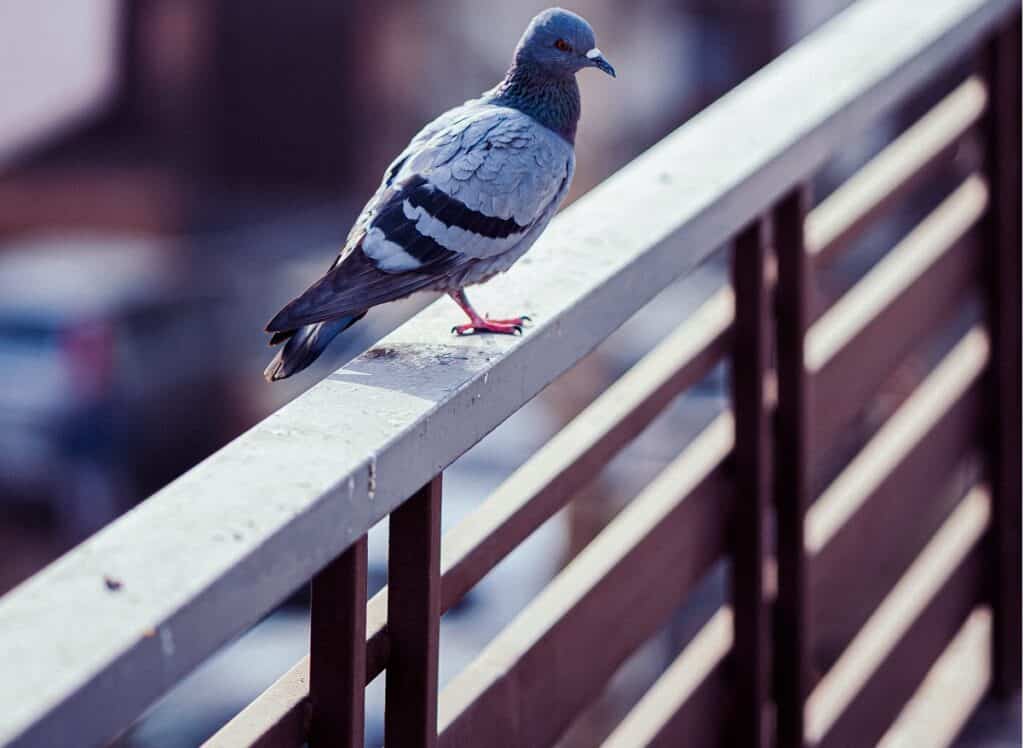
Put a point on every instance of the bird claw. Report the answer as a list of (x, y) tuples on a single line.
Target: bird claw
[(496, 326)]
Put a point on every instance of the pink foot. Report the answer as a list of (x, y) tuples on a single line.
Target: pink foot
[(513, 326), (516, 321)]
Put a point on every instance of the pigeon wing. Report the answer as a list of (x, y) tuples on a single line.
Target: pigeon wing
[(478, 186)]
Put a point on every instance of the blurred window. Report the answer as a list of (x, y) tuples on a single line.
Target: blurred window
[(57, 64)]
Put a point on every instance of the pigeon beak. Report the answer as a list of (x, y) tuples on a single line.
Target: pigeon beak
[(597, 60)]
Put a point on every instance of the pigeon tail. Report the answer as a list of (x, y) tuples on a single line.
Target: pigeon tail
[(304, 345)]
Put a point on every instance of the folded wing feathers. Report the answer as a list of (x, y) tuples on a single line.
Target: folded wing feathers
[(468, 189)]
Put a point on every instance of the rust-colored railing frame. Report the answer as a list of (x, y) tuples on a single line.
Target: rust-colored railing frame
[(1002, 68), (865, 718), (745, 679), (752, 364)]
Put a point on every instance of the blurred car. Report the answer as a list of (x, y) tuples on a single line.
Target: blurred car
[(115, 379)]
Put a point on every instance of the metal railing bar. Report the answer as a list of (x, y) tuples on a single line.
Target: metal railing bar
[(338, 650), (895, 171), (665, 539), (792, 466), (414, 615), (929, 573), (653, 715), (901, 433), (1001, 62), (952, 690), (277, 718), (906, 262), (753, 344)]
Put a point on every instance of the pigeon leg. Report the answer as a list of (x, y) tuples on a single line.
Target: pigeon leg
[(513, 326)]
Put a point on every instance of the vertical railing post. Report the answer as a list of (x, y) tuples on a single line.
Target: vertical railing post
[(1003, 168), (751, 361), (792, 448), (414, 620), (337, 647)]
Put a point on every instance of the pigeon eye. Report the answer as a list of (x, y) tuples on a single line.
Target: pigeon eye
[(563, 45)]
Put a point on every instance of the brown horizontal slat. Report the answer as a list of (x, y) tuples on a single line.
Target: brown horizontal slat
[(944, 386), (690, 703), (557, 655), (911, 291), (951, 691), (907, 261), (895, 171), (882, 540), (278, 718), (704, 721), (892, 685), (913, 598), (870, 523), (934, 299)]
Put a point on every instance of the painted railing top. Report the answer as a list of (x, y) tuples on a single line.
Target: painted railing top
[(94, 639)]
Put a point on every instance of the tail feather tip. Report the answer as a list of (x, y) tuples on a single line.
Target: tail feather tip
[(303, 346)]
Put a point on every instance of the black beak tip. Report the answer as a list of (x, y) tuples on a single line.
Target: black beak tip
[(597, 60)]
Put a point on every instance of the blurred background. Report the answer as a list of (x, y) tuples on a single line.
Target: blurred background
[(173, 171)]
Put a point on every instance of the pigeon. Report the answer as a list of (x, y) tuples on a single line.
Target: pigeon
[(467, 197)]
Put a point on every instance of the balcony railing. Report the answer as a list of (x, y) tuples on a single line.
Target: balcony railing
[(821, 643)]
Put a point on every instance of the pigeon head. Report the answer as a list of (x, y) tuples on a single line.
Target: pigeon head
[(542, 80), (560, 44)]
